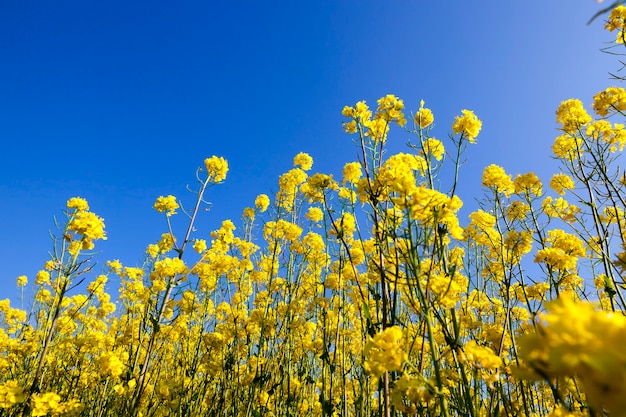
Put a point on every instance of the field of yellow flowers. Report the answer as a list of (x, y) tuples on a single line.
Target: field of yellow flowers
[(358, 296)]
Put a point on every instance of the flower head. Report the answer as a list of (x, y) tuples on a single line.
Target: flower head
[(303, 160), (217, 168), (468, 125), (424, 117), (167, 205)]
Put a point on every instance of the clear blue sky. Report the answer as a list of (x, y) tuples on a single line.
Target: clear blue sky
[(120, 101)]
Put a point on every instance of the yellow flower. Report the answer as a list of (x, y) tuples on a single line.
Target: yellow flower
[(390, 109), (289, 183), (424, 117), (377, 129), (351, 172), (248, 213), (42, 277), (44, 403), (115, 265), (316, 185), (467, 125), (564, 252), (166, 205), (303, 160), (616, 19), (262, 202), (168, 267), (350, 127), (433, 147), (482, 357), (572, 115), (166, 243), (314, 214), (11, 393), (110, 364), (281, 230), (80, 204), (87, 224), (360, 112), (560, 208), (384, 352), (562, 411), (153, 250), (482, 219), (561, 182), (22, 281), (497, 179), (217, 168), (97, 286), (575, 339), (517, 210), (528, 184), (199, 245)]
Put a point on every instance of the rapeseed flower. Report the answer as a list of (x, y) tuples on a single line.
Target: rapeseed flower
[(561, 182), (352, 172), (217, 168), (167, 205), (262, 202), (22, 280), (303, 160), (574, 339), (572, 115), (468, 125), (384, 352), (424, 116), (77, 203), (11, 393), (610, 100), (496, 178), (87, 224)]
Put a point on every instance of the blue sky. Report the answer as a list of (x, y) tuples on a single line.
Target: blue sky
[(120, 101)]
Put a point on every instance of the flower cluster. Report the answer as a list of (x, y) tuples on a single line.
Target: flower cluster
[(467, 125), (384, 352), (576, 340)]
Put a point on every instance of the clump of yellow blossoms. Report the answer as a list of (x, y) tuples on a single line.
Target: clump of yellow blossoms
[(574, 339), (384, 352), (561, 182), (468, 125), (167, 205), (11, 393), (377, 127), (82, 222), (424, 117), (496, 178), (303, 160), (352, 172), (482, 358), (217, 168), (572, 115), (262, 202), (617, 21), (564, 252)]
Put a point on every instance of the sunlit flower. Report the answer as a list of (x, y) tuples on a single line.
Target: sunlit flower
[(262, 202), (424, 116), (303, 160), (468, 125), (496, 178), (217, 168), (167, 205)]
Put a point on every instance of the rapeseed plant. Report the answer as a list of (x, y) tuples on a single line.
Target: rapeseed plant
[(354, 297)]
